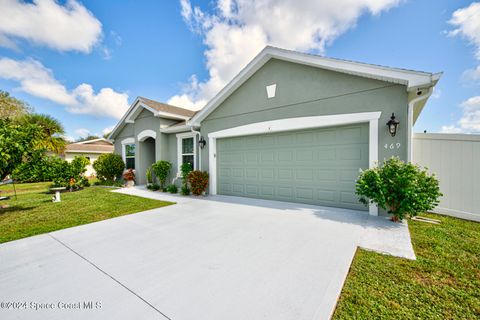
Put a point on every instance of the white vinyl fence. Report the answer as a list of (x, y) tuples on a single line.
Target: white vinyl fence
[(455, 159)]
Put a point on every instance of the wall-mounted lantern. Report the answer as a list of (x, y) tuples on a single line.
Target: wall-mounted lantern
[(202, 142), (392, 125)]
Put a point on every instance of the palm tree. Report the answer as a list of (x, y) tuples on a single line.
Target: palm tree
[(52, 131)]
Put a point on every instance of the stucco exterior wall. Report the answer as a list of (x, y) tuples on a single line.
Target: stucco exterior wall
[(307, 91)]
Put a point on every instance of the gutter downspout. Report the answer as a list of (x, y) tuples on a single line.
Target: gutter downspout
[(411, 105), (199, 149)]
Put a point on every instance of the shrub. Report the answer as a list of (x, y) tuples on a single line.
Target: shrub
[(172, 188), (129, 175), (198, 181), (153, 187), (109, 166), (53, 168), (185, 191), (398, 187), (79, 165), (161, 169), (108, 183)]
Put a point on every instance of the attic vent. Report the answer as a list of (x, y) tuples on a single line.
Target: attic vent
[(271, 89)]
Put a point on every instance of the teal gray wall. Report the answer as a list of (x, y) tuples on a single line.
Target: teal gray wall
[(307, 91)]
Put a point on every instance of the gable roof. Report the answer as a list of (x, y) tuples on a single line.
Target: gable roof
[(163, 107), (99, 141), (159, 109), (413, 80), (90, 146)]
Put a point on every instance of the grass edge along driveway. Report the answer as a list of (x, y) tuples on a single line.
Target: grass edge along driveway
[(34, 212), (443, 283)]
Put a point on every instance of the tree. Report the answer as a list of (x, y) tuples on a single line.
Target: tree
[(52, 131), (17, 144), (400, 188), (89, 137), (11, 107)]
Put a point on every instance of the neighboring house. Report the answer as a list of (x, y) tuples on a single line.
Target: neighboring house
[(290, 126), (91, 149)]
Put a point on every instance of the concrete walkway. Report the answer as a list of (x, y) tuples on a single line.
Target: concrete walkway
[(213, 258)]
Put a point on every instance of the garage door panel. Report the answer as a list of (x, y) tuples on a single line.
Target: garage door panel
[(311, 166)]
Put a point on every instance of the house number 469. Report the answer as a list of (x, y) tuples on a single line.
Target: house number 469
[(392, 146)]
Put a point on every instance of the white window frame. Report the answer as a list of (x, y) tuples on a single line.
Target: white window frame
[(180, 155), (291, 124), (125, 142)]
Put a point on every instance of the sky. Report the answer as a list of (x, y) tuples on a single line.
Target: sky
[(84, 62)]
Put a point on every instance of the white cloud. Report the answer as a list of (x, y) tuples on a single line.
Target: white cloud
[(451, 129), (82, 132), (39, 81), (470, 120), (467, 23), (46, 22), (472, 74), (107, 130), (240, 29)]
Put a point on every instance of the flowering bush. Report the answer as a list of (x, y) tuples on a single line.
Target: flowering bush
[(129, 175), (198, 181)]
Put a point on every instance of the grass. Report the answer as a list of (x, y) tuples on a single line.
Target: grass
[(7, 189), (443, 283), (34, 212)]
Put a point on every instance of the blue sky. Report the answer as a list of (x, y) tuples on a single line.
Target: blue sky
[(184, 52)]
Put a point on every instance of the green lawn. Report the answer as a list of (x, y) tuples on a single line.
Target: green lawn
[(443, 283), (35, 213)]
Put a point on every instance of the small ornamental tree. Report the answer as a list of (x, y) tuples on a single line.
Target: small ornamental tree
[(162, 170), (400, 188), (198, 181), (109, 166)]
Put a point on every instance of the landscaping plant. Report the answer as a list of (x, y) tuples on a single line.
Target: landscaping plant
[(153, 187), (172, 188), (129, 175), (148, 175), (185, 170), (109, 167), (161, 169), (400, 188), (184, 191), (198, 181)]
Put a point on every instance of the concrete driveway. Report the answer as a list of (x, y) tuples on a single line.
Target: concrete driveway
[(221, 258)]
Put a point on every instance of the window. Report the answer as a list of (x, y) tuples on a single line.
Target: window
[(130, 156), (188, 154), (186, 149)]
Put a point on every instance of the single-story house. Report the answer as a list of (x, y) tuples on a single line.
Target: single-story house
[(290, 126), (91, 149)]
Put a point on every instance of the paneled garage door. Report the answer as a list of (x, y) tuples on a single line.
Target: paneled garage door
[(313, 166)]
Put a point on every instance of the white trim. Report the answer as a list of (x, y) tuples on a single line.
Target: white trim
[(297, 124), (411, 105), (409, 78), (124, 142), (180, 137), (146, 134), (156, 113), (176, 129)]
